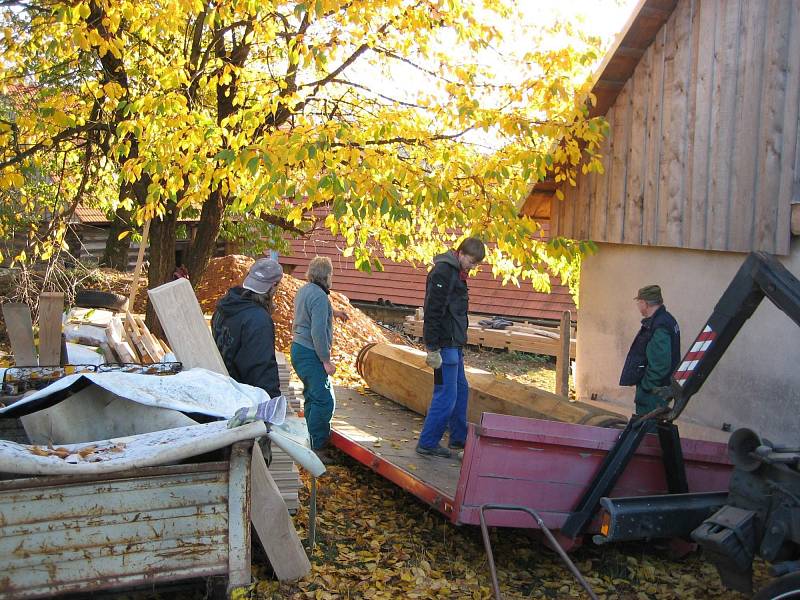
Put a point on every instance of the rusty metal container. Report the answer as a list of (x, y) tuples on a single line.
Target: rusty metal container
[(400, 374), (85, 533)]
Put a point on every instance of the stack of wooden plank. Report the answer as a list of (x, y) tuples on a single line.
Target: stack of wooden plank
[(521, 337), (120, 337), (292, 391)]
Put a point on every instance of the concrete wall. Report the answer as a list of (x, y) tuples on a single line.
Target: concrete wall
[(756, 383)]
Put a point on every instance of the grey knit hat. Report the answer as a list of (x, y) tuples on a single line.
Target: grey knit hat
[(264, 273)]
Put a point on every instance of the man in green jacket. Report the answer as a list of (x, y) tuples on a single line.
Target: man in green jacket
[(655, 352)]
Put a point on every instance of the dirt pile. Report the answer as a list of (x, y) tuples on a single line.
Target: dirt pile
[(348, 336)]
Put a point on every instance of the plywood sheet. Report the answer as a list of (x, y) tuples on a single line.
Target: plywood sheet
[(273, 524), (185, 327)]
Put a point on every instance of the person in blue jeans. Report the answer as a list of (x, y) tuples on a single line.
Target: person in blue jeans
[(312, 339), (444, 333)]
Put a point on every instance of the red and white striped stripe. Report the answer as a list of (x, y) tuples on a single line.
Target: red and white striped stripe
[(695, 354)]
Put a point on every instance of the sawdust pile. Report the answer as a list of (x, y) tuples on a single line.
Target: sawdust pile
[(348, 336)]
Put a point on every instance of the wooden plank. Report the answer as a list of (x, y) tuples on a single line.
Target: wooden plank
[(51, 307), (789, 190), (746, 125), (185, 327), (654, 140), (134, 339), (771, 132), (637, 150), (273, 524), (672, 160), (723, 111), (151, 344), (116, 339), (562, 358), (139, 260), (239, 506), (795, 208), (618, 174), (701, 97), (19, 327)]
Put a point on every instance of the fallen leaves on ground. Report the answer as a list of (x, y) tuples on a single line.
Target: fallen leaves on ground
[(375, 541)]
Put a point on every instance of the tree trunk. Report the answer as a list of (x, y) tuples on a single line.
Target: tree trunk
[(205, 239), (116, 253), (162, 261)]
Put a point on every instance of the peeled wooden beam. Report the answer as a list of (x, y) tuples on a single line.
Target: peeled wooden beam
[(400, 374), (796, 219)]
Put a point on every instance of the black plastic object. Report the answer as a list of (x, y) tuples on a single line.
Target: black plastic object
[(728, 539), (100, 299)]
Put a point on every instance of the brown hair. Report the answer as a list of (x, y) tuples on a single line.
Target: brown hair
[(474, 247)]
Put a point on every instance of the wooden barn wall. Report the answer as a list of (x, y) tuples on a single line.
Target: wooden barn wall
[(702, 150)]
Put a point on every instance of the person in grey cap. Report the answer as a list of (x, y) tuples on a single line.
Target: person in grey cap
[(243, 329), (655, 352)]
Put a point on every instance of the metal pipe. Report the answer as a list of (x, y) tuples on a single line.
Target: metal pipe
[(548, 534), (312, 517)]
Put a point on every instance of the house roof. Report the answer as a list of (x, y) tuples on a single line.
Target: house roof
[(610, 77), (87, 215), (404, 283), (627, 50)]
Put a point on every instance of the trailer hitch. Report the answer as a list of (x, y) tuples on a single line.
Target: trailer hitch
[(487, 544)]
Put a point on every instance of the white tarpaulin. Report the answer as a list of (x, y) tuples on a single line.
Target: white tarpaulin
[(121, 454), (196, 391), (87, 407)]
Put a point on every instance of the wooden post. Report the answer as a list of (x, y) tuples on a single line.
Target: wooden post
[(139, 260), (51, 308), (562, 358)]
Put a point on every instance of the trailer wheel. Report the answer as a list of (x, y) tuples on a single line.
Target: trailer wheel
[(783, 588), (98, 299)]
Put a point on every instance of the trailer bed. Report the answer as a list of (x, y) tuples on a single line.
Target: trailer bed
[(383, 435), (542, 465)]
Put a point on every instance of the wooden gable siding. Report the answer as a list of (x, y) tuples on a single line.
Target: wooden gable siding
[(702, 150)]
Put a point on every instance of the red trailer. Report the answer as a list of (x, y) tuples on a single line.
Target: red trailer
[(543, 465)]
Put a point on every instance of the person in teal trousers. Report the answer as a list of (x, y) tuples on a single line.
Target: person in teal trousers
[(312, 339)]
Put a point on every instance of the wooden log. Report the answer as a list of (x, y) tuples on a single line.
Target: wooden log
[(51, 307), (400, 374), (185, 327), (19, 327), (273, 524), (562, 358)]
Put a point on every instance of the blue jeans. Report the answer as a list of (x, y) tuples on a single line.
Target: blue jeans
[(318, 392), (448, 409)]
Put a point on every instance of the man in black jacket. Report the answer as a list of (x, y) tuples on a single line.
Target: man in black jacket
[(445, 334), (243, 329)]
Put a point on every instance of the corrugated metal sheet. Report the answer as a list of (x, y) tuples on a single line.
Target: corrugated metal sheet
[(60, 535), (703, 140)]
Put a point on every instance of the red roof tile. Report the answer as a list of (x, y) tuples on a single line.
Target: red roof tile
[(404, 284)]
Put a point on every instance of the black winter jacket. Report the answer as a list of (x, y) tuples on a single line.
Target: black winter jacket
[(245, 335), (446, 304)]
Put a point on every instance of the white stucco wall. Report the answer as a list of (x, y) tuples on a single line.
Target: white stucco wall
[(756, 384)]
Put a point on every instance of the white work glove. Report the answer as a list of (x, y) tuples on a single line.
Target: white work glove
[(434, 359)]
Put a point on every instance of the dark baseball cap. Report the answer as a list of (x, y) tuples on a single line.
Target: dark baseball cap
[(264, 273)]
